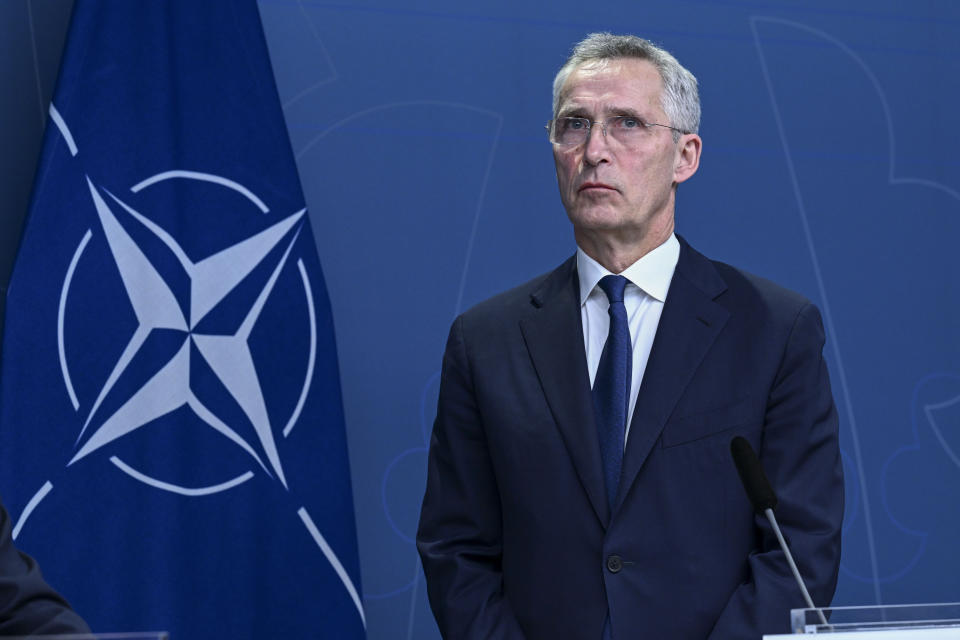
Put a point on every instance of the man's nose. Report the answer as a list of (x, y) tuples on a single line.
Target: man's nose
[(597, 148)]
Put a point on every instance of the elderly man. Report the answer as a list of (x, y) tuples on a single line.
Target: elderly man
[(28, 606), (580, 482)]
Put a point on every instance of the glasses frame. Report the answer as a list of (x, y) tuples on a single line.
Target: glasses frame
[(603, 127)]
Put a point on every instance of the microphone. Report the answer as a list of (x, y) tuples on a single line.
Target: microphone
[(752, 476), (764, 500)]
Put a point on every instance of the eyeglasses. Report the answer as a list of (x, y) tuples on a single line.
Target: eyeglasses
[(626, 130)]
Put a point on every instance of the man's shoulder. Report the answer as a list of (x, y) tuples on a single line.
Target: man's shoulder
[(740, 289), (762, 288), (521, 300)]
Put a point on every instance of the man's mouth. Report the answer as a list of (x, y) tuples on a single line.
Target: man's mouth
[(595, 186)]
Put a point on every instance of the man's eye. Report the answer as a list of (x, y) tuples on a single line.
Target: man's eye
[(575, 124), (630, 123)]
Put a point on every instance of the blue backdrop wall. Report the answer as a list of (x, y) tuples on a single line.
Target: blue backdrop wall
[(829, 166)]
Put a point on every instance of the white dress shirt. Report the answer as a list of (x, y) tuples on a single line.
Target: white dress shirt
[(647, 286)]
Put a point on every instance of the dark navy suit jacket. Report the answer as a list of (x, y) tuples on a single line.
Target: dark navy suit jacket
[(516, 536), (28, 606)]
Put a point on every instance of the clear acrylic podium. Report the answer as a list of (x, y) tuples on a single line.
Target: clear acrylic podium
[(893, 622), (143, 635)]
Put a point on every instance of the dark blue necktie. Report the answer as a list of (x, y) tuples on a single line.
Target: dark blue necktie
[(611, 386), (611, 394)]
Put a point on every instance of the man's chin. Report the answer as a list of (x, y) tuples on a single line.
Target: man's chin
[(596, 219)]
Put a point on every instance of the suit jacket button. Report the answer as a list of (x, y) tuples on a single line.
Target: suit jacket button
[(614, 564)]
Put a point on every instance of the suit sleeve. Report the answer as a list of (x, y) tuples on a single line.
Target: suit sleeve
[(28, 606), (800, 453), (460, 535)]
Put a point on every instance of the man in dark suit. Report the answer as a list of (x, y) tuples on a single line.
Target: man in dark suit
[(580, 483), (28, 606)]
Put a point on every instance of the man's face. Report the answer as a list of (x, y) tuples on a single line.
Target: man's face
[(606, 187)]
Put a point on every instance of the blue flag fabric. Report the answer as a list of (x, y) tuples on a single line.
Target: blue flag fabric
[(172, 445)]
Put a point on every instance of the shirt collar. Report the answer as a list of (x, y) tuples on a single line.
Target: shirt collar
[(651, 273)]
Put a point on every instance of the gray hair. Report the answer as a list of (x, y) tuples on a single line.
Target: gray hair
[(680, 99)]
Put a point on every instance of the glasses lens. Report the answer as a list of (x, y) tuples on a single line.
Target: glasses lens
[(570, 130), (626, 129)]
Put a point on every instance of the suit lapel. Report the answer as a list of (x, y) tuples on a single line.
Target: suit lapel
[(554, 338), (689, 324)]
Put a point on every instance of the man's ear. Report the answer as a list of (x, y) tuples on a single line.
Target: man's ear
[(688, 157)]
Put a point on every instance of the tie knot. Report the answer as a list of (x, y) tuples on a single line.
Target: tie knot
[(613, 286)]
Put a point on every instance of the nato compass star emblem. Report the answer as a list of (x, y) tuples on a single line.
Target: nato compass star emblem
[(156, 307), (117, 413)]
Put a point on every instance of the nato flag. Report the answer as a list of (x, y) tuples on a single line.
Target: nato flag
[(172, 445)]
